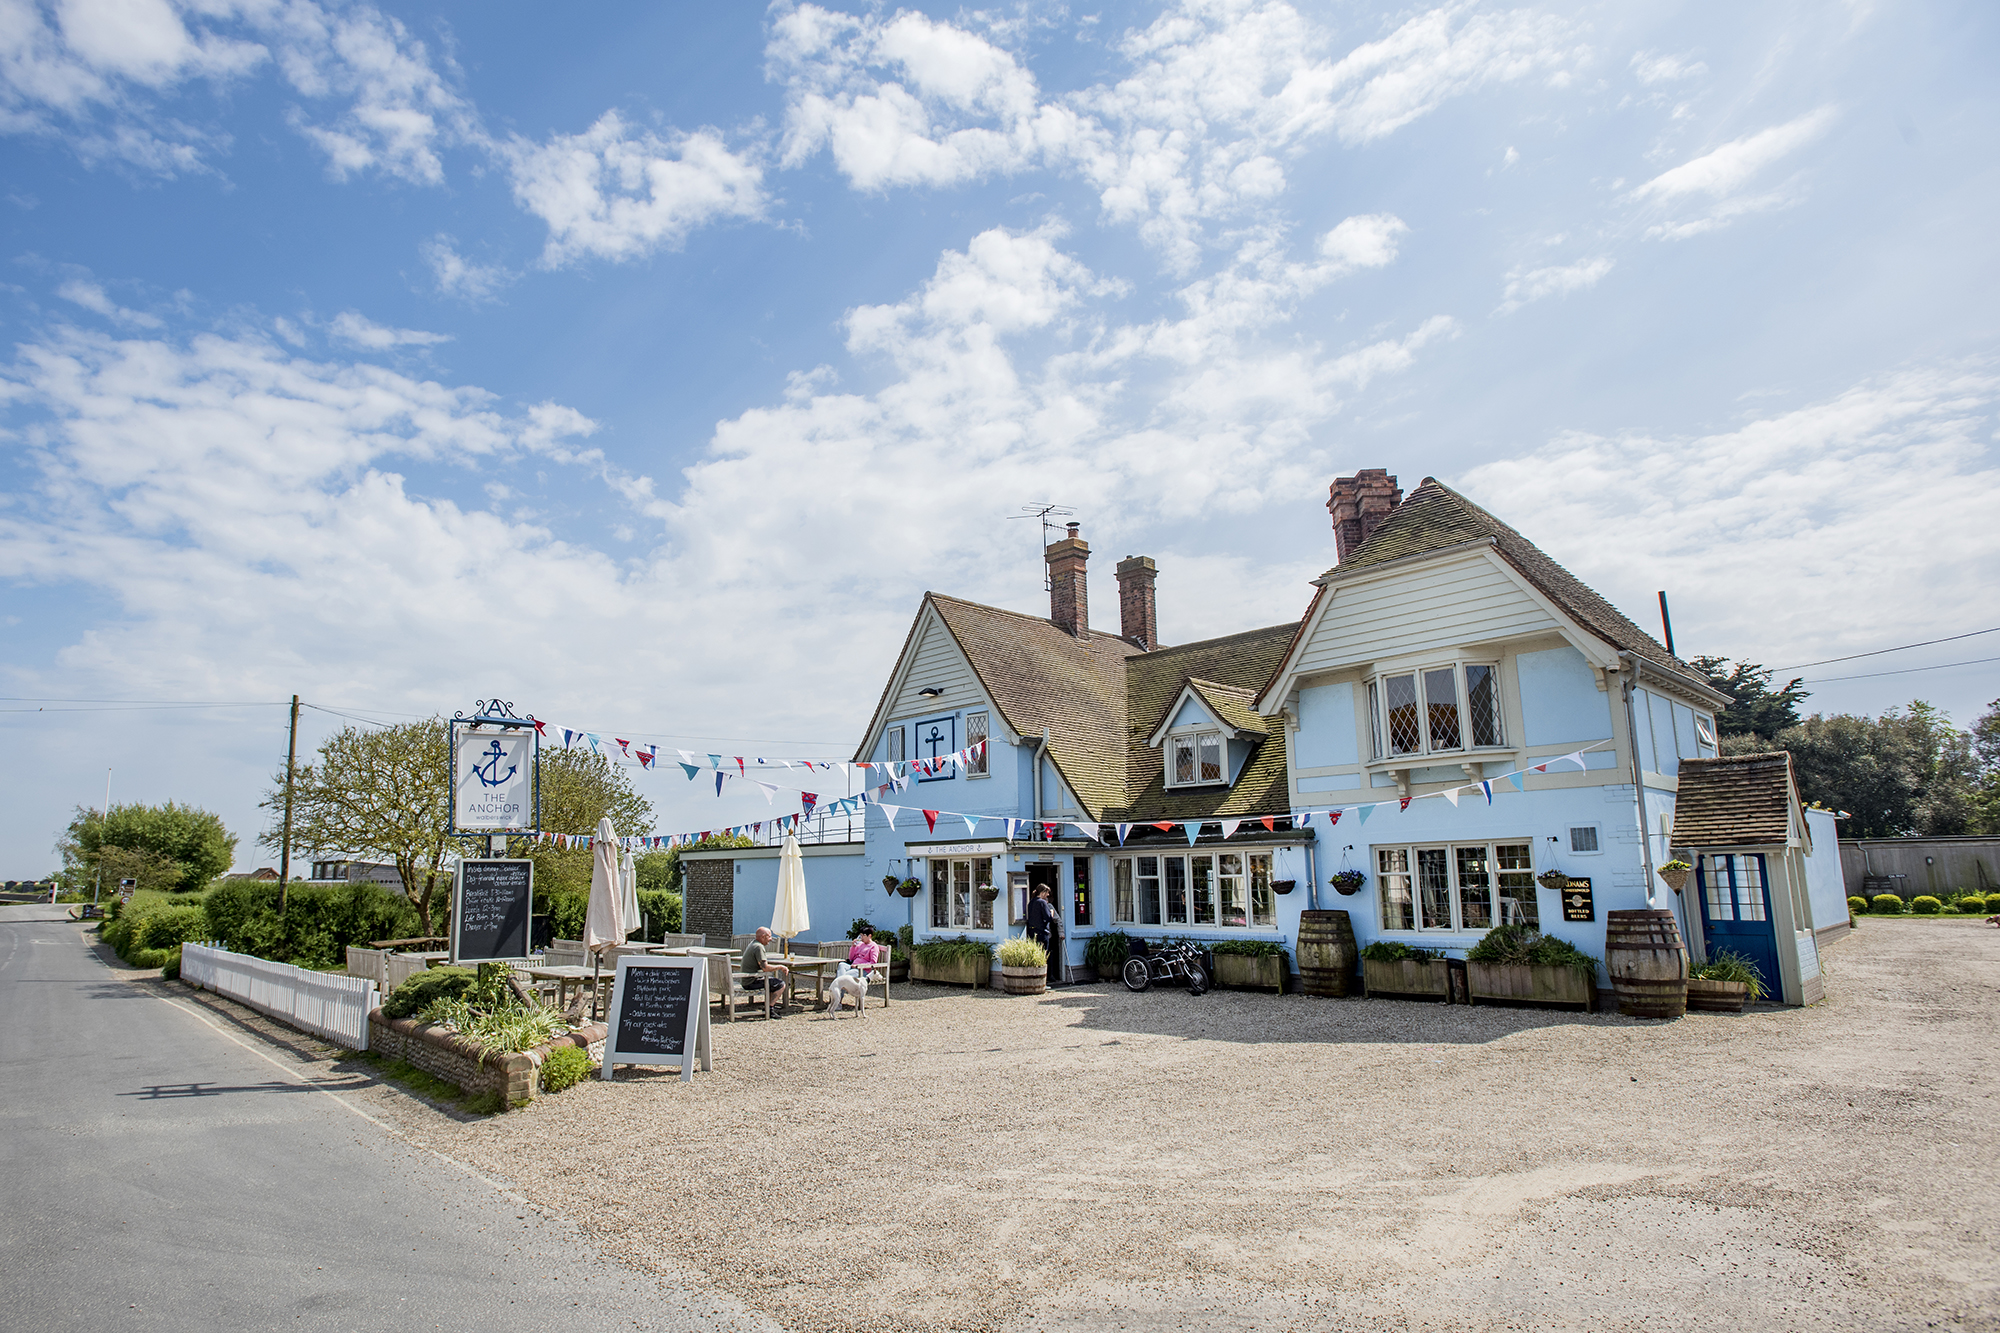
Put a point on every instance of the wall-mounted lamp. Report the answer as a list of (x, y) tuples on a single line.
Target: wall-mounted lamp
[(930, 692)]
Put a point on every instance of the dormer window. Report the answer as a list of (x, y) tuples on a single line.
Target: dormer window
[(1435, 710), (1197, 759)]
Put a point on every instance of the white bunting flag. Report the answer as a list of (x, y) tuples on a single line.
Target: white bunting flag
[(768, 791), (889, 812), (1451, 794), (1229, 827), (1087, 830)]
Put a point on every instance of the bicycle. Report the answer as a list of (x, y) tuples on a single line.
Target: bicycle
[(1180, 962)]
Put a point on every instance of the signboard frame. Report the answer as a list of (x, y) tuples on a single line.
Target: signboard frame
[(458, 910), (696, 1041), (1579, 901), (493, 717)]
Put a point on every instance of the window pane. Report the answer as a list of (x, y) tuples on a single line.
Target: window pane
[(961, 893), (1229, 877), (1183, 759), (1263, 906), (895, 750), (1079, 879), (1433, 889), (1516, 862), (1211, 756), (1392, 874), (1482, 700), (1121, 891), (1204, 889), (1715, 884), (1375, 717), (1583, 838), (1406, 735), (1177, 896), (940, 894), (1475, 888), (975, 732), (1149, 890), (1749, 888), (1441, 706)]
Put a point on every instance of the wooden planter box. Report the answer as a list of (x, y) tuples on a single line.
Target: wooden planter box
[(961, 972), (1240, 971), (1717, 997), (1527, 984), (1407, 976)]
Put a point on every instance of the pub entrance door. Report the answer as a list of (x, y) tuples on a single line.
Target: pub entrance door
[(1736, 913), (1048, 874)]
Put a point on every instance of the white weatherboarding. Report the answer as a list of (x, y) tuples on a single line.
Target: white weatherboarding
[(682, 1046)]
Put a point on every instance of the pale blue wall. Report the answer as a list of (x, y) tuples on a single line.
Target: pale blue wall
[(1560, 701), (834, 894), (1325, 737), (1192, 714)]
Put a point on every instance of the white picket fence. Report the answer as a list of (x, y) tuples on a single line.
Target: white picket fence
[(325, 1004)]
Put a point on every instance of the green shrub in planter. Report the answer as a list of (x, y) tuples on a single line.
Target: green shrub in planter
[(1107, 951), (1394, 951), (1246, 948), (1857, 906), (938, 952), (1020, 951), (565, 1067), (1925, 905), (1726, 965), (424, 989), (1886, 904)]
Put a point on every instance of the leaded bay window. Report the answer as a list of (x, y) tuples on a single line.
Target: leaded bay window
[(1196, 759), (1457, 886), (975, 732), (954, 904), (1221, 889), (1435, 710)]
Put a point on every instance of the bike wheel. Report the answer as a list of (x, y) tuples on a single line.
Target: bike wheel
[(1197, 979), (1137, 975)]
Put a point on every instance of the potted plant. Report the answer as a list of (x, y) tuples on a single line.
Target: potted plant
[(1283, 885), (1520, 964), (890, 883), (1348, 882), (911, 887), (1553, 880), (987, 893), (1249, 965), (1393, 968), (955, 962), (1724, 983), (1675, 874), (1105, 952), (1024, 966)]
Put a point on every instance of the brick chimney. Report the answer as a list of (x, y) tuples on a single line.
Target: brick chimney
[(1359, 504), (1069, 596), (1137, 619)]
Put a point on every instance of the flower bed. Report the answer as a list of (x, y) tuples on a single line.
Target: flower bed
[(513, 1076)]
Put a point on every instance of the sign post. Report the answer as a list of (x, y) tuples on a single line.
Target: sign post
[(659, 1015), (491, 903)]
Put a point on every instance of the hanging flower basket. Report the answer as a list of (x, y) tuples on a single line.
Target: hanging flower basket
[(890, 884), (1283, 885), (987, 893), (1348, 882), (1553, 880), (910, 888), (1675, 874)]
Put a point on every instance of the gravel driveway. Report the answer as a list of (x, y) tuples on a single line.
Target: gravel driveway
[(1095, 1159)]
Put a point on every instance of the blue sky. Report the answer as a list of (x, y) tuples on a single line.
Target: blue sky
[(647, 371)]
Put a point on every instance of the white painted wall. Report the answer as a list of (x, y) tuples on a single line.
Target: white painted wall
[(1429, 607)]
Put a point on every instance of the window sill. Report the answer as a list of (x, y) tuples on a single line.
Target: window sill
[(1467, 761), (1196, 786)]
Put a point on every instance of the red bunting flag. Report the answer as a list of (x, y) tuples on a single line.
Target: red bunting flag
[(621, 747), (740, 770), (1269, 822), (1404, 804), (1332, 818), (1165, 826), (807, 800), (930, 819), (539, 724), (1049, 832)]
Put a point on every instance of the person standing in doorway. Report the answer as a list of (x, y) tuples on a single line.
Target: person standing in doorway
[(1045, 928)]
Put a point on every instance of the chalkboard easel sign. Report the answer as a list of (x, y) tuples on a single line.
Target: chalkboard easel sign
[(659, 1015), (1578, 902), (491, 901)]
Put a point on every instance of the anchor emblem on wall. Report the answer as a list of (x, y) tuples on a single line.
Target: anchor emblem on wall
[(489, 773)]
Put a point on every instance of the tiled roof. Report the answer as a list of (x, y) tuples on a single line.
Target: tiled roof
[(1739, 800), (1434, 517), (1101, 697)]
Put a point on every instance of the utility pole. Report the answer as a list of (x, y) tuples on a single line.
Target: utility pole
[(285, 852), (97, 893)]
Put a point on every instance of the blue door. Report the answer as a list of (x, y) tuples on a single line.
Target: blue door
[(1736, 914)]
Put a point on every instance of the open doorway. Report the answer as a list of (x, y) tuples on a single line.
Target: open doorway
[(1048, 875)]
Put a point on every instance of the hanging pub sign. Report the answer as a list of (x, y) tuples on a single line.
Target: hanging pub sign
[(659, 1015), (1578, 904), (495, 771), (491, 901)]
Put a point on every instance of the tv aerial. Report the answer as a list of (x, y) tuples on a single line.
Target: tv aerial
[(1045, 512)]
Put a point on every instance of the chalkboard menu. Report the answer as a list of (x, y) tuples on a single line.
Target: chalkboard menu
[(659, 1014), (490, 905), (1578, 904)]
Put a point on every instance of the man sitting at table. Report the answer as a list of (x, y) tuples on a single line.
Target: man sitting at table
[(853, 978), (756, 962)]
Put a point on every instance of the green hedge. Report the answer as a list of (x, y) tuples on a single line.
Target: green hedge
[(154, 925), (1394, 951), (423, 989), (1856, 906), (1886, 904), (1925, 905), (318, 923)]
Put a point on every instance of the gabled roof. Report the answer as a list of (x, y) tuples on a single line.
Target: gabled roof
[(1738, 800), (1434, 517), (1227, 704)]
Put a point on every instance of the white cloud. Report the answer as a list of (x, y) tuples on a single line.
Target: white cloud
[(1820, 502), (1721, 172), (615, 193), (458, 276), (1650, 67), (1526, 285), (1364, 242), (91, 296), (360, 331)]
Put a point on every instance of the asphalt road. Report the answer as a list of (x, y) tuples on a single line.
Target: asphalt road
[(159, 1170)]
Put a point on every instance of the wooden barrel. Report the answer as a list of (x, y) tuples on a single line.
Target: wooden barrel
[(1647, 961), (1327, 956), (1024, 980)]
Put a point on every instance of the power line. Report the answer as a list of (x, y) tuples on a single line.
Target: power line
[(1824, 661), (1870, 675)]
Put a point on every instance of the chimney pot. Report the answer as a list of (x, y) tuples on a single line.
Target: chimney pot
[(1359, 504), (1138, 621), (1069, 600)]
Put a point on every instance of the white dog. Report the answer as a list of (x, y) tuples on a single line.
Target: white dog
[(849, 981)]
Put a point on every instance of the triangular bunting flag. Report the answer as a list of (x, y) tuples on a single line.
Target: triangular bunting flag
[(1193, 831), (971, 825), (715, 761), (1123, 829), (930, 818), (1229, 827), (1164, 825), (1087, 830), (1333, 817), (1487, 787), (1269, 822), (1361, 812), (1404, 803), (1451, 794), (719, 776), (1577, 757), (621, 747), (688, 756), (1515, 778), (889, 812), (807, 800), (691, 770), (768, 791)]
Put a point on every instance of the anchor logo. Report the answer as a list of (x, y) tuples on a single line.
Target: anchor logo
[(489, 773)]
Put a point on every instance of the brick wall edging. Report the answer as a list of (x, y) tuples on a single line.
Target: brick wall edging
[(437, 1050)]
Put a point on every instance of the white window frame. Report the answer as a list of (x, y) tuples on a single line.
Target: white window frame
[(976, 766), (1569, 836), (954, 892), (1413, 856), (1253, 875), (1193, 737), (1381, 735), (892, 743)]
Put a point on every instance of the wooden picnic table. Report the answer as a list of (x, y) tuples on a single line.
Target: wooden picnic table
[(567, 977)]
